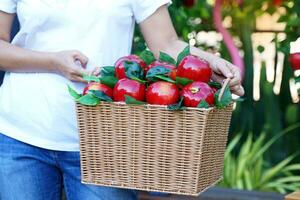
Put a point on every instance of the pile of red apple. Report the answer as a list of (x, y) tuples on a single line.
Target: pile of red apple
[(140, 80)]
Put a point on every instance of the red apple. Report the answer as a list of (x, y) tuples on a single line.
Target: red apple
[(277, 3), (194, 69), (195, 92), (172, 74), (120, 68), (99, 87), (129, 87), (162, 93), (189, 3), (295, 60)]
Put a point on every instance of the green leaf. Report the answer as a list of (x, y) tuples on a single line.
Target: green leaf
[(289, 179), (272, 172), (182, 81), (281, 187), (215, 84), (232, 144), (165, 78), (91, 78), (260, 49), (248, 180), (185, 52), (238, 100), (243, 156), (147, 56), (101, 95), (133, 70), (203, 104), (139, 80), (110, 81), (294, 167), (108, 71), (258, 170), (281, 190), (225, 100), (282, 19), (257, 145), (158, 70), (293, 22), (131, 100), (267, 145), (177, 106), (73, 93), (297, 79), (88, 100), (163, 57)]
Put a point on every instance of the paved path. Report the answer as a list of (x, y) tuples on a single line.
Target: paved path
[(220, 194)]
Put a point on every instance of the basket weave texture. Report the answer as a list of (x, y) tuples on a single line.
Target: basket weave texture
[(152, 149)]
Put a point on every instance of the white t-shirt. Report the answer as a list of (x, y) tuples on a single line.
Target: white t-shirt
[(36, 108)]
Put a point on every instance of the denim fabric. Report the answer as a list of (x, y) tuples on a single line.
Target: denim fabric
[(32, 173)]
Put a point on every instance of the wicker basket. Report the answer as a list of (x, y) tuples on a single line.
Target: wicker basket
[(152, 149)]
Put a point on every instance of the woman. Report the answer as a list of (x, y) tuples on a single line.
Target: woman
[(57, 42)]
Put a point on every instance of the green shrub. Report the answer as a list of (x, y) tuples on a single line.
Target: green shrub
[(245, 167)]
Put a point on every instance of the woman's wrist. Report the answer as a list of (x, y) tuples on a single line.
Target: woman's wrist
[(50, 62), (210, 58)]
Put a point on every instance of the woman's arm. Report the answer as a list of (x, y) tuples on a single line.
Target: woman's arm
[(16, 59), (160, 35)]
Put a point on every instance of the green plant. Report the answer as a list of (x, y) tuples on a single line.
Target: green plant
[(245, 167)]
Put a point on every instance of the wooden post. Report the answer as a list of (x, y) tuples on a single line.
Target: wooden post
[(293, 196)]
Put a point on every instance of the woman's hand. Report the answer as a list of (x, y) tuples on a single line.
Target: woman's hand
[(70, 64), (223, 69), (96, 71)]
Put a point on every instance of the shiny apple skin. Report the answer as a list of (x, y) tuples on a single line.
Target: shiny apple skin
[(99, 87), (295, 60), (162, 93), (120, 68), (172, 74), (194, 68), (129, 87), (195, 92)]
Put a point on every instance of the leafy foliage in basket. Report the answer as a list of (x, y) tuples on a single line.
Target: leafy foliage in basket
[(165, 81)]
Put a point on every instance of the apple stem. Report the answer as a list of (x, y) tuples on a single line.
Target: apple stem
[(194, 90), (226, 82)]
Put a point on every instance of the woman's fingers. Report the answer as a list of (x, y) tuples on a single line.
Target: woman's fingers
[(220, 66), (234, 84), (239, 90), (78, 56), (225, 69), (218, 78), (77, 74), (78, 79), (96, 71), (237, 79)]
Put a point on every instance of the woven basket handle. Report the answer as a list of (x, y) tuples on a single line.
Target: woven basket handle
[(226, 82)]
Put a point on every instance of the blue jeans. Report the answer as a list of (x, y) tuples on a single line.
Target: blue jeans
[(32, 173)]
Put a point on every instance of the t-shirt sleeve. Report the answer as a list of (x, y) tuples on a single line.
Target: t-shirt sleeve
[(142, 9), (8, 6)]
